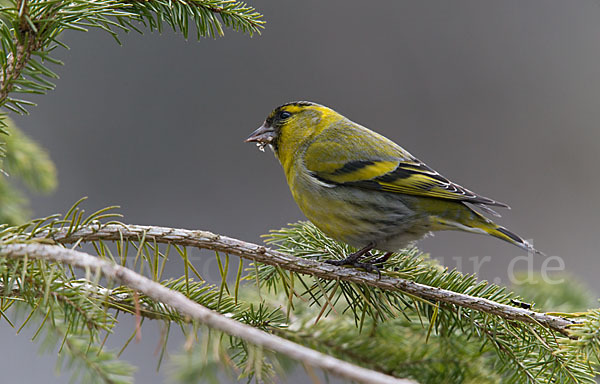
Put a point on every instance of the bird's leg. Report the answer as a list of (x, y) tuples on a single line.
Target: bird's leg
[(352, 259)]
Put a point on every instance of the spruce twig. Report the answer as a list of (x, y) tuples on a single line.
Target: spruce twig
[(259, 253), (185, 306)]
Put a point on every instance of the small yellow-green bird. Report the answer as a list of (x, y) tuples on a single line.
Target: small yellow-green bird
[(365, 190)]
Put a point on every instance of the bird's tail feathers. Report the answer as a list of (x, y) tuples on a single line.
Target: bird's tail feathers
[(506, 235), (485, 226)]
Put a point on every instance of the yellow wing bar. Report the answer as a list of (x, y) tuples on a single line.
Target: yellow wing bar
[(407, 177)]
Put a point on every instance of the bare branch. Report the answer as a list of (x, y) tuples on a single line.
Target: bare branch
[(196, 311), (259, 253)]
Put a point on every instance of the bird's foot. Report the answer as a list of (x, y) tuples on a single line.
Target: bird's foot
[(339, 263), (369, 266)]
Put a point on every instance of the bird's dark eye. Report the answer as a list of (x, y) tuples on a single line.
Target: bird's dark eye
[(284, 115)]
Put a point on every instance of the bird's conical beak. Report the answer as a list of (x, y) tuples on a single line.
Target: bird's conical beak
[(263, 135)]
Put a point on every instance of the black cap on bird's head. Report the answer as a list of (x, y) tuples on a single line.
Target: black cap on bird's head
[(268, 133)]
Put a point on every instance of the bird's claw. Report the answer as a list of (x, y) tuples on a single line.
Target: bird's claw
[(382, 259)]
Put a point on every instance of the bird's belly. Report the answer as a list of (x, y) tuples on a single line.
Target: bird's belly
[(359, 217)]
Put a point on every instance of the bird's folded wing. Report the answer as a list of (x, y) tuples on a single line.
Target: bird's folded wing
[(399, 174)]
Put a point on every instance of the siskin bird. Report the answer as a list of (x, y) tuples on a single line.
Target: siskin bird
[(361, 188)]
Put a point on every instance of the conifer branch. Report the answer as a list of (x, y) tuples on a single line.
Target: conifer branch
[(234, 13), (120, 301), (196, 311), (29, 31), (25, 43), (259, 253)]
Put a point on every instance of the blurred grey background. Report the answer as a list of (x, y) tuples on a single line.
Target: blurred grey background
[(502, 97)]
